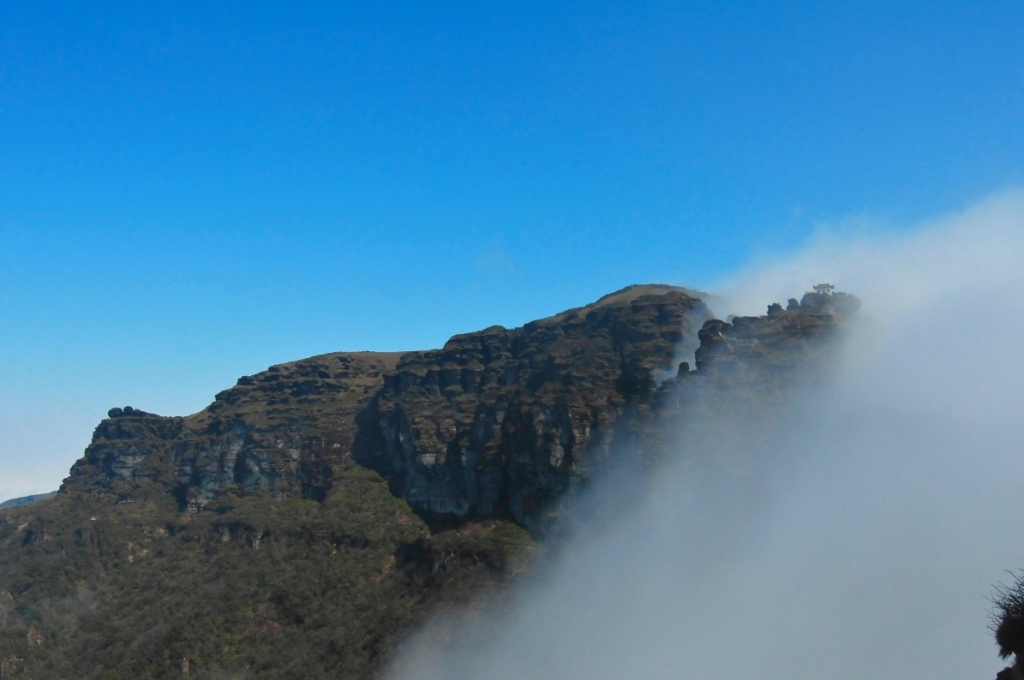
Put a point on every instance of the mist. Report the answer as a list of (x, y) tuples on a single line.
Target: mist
[(860, 537)]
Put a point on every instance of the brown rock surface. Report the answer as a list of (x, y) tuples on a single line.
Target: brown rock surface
[(500, 423), (495, 424), (279, 431)]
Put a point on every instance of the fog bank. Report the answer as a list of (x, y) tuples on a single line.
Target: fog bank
[(861, 540)]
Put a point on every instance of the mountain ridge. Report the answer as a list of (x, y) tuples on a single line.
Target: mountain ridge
[(26, 500), (283, 429), (317, 512)]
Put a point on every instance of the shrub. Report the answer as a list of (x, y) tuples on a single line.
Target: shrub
[(1007, 616)]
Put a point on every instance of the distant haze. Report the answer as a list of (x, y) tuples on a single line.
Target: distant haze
[(860, 541)]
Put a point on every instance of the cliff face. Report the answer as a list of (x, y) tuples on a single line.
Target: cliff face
[(280, 532), (283, 431), (501, 423), (497, 424), (768, 347)]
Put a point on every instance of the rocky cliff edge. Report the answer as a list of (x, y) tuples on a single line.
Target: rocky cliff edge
[(499, 423)]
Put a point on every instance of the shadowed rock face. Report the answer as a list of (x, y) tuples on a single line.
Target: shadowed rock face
[(281, 431), (497, 424), (773, 344), (502, 422)]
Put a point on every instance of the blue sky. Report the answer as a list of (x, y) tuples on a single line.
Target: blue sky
[(190, 193)]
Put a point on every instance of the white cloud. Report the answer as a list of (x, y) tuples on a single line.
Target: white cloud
[(862, 543)]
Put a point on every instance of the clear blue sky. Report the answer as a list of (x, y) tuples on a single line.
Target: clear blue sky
[(190, 193)]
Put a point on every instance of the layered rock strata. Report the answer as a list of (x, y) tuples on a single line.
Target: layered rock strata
[(281, 431), (501, 423)]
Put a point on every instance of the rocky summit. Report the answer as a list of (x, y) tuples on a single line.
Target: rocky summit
[(316, 512)]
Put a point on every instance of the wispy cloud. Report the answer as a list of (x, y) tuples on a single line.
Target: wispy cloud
[(495, 262), (879, 523)]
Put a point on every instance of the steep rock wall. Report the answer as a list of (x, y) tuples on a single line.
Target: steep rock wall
[(281, 431), (501, 423)]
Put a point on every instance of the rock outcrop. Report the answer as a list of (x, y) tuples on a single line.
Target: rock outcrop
[(500, 423), (497, 423), (279, 431)]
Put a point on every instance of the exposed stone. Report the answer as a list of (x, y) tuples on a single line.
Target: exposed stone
[(840, 304), (9, 666), (279, 431), (501, 423)]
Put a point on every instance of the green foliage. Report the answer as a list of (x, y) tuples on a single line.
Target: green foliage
[(254, 586)]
